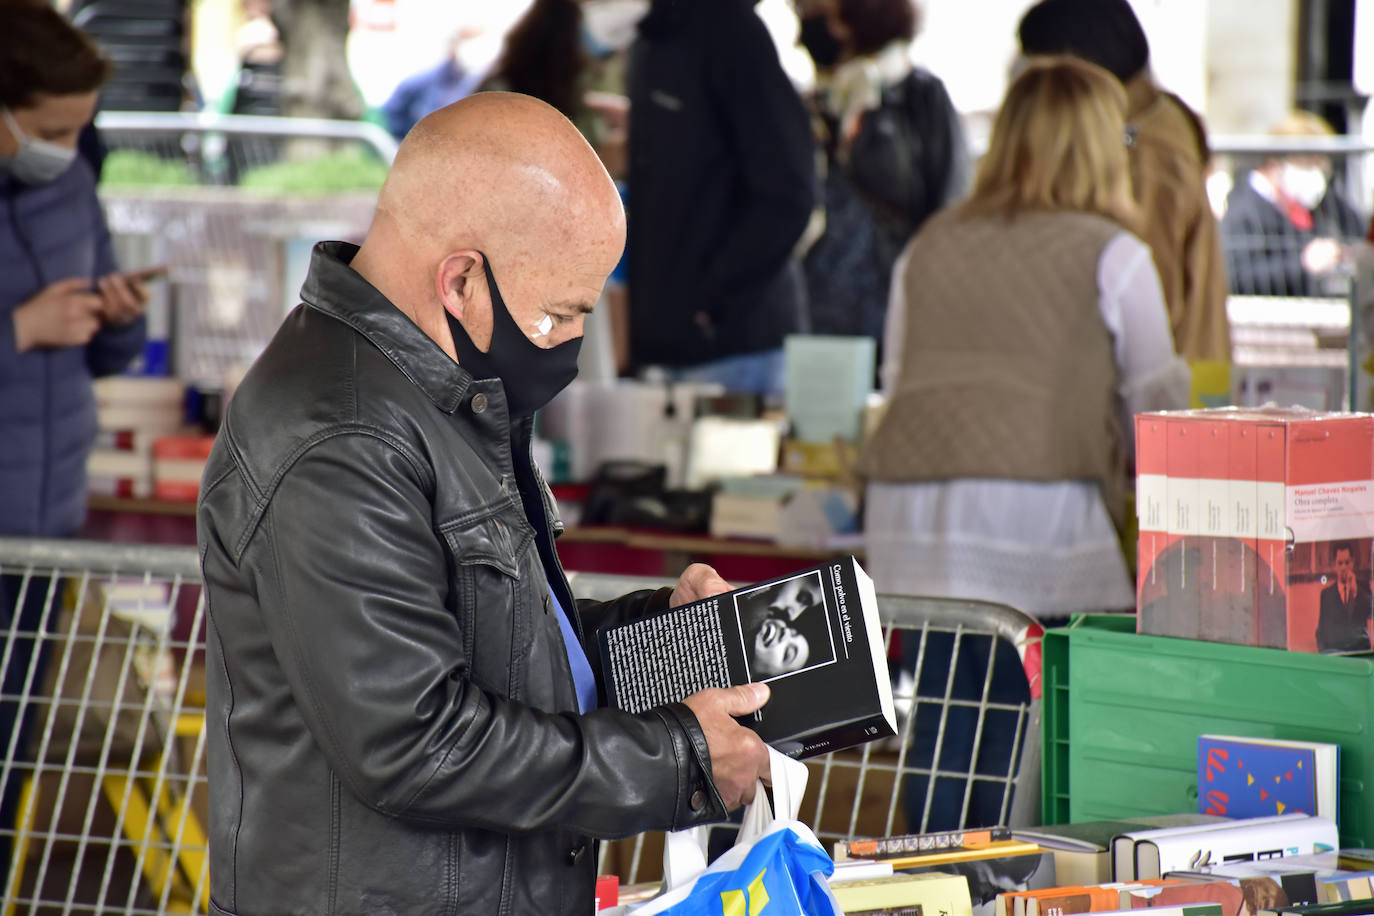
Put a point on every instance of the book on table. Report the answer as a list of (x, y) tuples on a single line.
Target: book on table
[(1151, 853), (1083, 850), (1324, 877), (1254, 777), (1256, 527), (1000, 867), (912, 844), (931, 892), (813, 636)]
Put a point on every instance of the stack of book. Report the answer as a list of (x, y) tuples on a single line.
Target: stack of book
[(786, 509), (132, 412), (1185, 864), (1256, 526), (987, 862), (178, 463), (813, 502)]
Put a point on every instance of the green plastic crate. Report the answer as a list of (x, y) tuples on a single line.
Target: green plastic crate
[(1122, 714)]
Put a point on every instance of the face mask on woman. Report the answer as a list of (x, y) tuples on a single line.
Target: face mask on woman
[(36, 161), (819, 41)]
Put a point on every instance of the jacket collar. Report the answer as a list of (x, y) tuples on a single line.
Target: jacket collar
[(1141, 93), (334, 288)]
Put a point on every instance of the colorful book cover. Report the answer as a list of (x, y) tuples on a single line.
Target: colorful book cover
[(1242, 895), (1329, 508), (1255, 777)]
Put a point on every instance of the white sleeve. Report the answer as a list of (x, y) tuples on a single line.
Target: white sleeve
[(894, 325), (1153, 377)]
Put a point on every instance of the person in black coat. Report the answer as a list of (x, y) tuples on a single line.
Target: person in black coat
[(721, 179), (1346, 606), (1286, 226), (894, 154)]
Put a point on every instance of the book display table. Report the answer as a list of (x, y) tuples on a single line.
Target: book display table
[(1122, 714)]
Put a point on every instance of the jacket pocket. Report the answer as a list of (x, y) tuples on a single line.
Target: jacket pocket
[(495, 602)]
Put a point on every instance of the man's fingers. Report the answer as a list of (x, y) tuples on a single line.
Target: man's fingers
[(746, 698)]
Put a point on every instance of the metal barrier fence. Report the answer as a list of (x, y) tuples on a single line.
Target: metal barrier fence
[(232, 204), (104, 789), (1299, 277)]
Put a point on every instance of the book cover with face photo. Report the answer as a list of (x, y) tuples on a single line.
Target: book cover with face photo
[(813, 636)]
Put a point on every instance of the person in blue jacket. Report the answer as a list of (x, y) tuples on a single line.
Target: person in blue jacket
[(66, 313)]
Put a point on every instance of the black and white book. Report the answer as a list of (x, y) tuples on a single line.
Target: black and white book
[(1154, 853), (813, 636)]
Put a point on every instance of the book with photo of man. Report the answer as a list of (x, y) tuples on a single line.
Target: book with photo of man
[(812, 635)]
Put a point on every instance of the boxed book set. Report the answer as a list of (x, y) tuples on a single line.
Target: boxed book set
[(1256, 527)]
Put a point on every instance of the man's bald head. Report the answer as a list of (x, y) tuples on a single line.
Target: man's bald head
[(505, 175)]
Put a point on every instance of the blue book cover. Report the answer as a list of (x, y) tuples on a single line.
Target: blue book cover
[(1257, 777)]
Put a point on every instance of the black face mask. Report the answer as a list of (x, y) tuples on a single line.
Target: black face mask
[(819, 41), (530, 374)]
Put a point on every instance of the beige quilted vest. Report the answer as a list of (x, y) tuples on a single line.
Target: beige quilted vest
[(1007, 368)]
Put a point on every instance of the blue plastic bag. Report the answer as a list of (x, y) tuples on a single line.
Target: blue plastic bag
[(777, 870)]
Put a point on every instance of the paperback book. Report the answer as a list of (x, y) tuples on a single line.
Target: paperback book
[(1255, 777), (1083, 851), (1156, 852), (813, 636)]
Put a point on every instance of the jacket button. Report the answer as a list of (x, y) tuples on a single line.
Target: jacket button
[(576, 853), (479, 402), (698, 800)]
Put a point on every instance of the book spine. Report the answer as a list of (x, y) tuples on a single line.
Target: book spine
[(1271, 537), (1242, 499), (836, 737), (1183, 588), (907, 844), (1151, 506), (1242, 841), (1217, 617)]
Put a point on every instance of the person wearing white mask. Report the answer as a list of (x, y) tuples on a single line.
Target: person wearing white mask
[(66, 313), (1287, 231)]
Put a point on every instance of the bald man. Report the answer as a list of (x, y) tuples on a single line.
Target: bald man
[(401, 716)]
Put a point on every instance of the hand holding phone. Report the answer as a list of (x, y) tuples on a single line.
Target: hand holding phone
[(124, 296), (148, 274)]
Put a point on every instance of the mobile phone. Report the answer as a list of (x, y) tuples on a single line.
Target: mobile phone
[(149, 274)]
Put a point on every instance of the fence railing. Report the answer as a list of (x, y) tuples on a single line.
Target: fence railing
[(105, 799)]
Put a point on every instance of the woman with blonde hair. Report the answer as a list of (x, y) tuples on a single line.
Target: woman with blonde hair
[(1027, 326)]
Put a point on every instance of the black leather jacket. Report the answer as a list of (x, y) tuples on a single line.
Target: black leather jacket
[(391, 719)]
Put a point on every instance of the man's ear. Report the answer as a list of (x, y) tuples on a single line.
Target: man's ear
[(453, 281)]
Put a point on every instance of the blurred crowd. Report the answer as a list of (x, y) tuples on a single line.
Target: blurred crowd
[(1022, 309)]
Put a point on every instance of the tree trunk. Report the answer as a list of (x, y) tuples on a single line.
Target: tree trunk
[(316, 82)]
